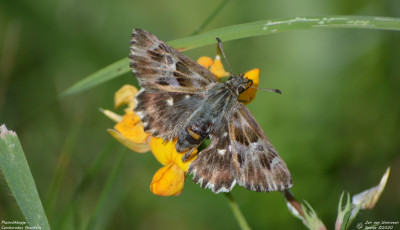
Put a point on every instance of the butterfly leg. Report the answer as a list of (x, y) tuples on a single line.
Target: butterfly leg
[(244, 101), (188, 153)]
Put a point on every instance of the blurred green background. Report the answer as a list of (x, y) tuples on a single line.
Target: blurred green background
[(336, 124)]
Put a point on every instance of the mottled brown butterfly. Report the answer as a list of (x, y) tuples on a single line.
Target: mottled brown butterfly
[(181, 99)]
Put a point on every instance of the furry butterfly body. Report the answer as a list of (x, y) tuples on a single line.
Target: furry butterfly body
[(181, 99)]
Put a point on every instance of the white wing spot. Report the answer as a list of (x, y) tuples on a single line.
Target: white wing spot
[(275, 161), (170, 101), (221, 151), (187, 96), (225, 134), (140, 114)]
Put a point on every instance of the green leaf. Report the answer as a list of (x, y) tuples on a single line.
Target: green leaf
[(107, 73), (246, 30), (344, 212), (265, 27), (346, 219), (19, 178)]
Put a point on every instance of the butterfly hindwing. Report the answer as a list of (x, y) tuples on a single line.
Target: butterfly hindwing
[(212, 167), (158, 67), (256, 164), (240, 153)]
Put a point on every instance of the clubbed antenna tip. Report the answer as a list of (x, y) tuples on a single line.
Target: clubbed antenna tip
[(271, 90)]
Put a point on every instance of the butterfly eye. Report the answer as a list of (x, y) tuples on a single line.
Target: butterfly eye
[(241, 89)]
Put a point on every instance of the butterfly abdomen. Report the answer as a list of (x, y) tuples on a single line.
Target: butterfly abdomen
[(219, 101), (194, 134)]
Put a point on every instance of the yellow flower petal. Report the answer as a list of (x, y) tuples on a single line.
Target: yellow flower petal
[(218, 68), (249, 95), (204, 61), (125, 95), (110, 114), (166, 153), (168, 181), (132, 129), (162, 151), (136, 147), (215, 66)]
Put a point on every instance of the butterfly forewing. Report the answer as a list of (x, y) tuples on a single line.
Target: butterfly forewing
[(164, 114), (159, 67)]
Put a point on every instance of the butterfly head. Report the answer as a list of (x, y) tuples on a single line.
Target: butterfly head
[(238, 84)]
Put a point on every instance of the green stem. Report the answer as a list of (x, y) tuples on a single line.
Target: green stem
[(237, 213)]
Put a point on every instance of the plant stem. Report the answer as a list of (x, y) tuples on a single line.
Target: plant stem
[(297, 205), (237, 213)]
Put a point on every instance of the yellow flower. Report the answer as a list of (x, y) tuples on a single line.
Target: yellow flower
[(169, 180), (129, 129), (249, 95), (215, 66), (125, 96)]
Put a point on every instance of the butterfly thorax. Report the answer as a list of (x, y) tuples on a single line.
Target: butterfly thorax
[(219, 100)]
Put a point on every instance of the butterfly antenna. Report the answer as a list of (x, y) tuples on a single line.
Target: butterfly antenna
[(223, 53), (226, 60), (271, 90)]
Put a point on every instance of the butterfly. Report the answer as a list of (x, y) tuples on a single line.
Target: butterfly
[(181, 99)]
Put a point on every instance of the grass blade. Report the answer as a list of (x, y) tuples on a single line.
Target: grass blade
[(19, 178), (107, 73), (265, 27), (246, 30)]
